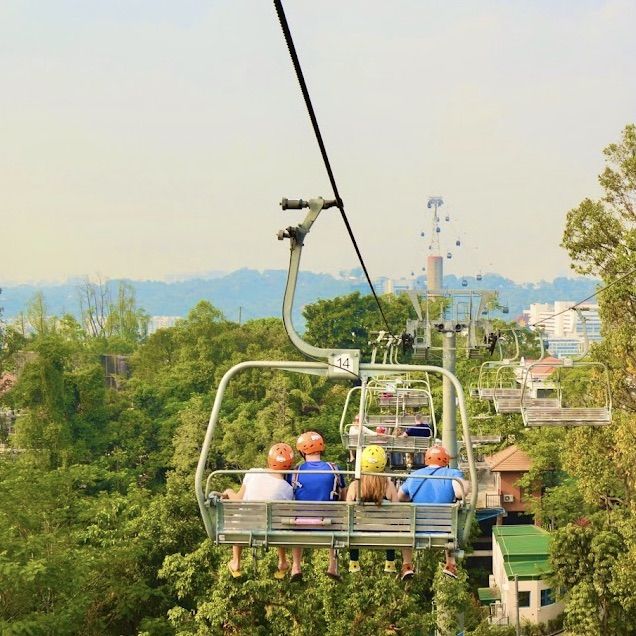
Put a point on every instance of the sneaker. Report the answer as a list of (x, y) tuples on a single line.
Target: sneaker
[(354, 567), (407, 572), (450, 570), (389, 567)]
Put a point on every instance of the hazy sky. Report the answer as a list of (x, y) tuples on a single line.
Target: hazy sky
[(152, 138)]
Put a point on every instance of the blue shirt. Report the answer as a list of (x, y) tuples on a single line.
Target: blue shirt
[(420, 430), (431, 490), (312, 487)]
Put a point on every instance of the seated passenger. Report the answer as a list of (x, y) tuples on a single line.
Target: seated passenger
[(258, 486), (430, 491), (419, 429), (315, 487), (374, 488), (354, 431)]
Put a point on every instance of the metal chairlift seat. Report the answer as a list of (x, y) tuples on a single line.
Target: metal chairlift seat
[(539, 414), (336, 524), (408, 444), (488, 380), (396, 394), (404, 398)]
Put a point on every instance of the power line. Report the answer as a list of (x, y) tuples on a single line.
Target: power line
[(580, 302), (323, 151)]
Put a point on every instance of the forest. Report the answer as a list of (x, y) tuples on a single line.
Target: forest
[(99, 527)]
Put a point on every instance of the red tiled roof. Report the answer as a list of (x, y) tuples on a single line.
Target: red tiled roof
[(511, 459)]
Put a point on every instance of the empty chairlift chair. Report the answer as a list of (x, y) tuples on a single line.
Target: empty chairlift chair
[(590, 405)]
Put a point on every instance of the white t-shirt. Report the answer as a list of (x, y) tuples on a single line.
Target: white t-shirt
[(354, 429), (264, 487)]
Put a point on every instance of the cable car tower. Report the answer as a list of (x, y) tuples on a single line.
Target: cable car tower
[(435, 261)]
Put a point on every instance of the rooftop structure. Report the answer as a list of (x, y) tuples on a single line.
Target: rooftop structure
[(518, 584)]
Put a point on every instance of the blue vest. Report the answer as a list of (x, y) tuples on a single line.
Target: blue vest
[(432, 490)]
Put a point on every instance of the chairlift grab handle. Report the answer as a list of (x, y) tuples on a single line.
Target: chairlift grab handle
[(299, 204)]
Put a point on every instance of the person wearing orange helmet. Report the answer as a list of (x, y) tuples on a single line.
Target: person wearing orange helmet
[(265, 486), (326, 486), (427, 491)]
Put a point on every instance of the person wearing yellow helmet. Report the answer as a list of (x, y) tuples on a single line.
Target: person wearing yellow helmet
[(376, 489)]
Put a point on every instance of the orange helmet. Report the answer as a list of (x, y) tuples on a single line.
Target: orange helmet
[(280, 457), (437, 455), (310, 442)]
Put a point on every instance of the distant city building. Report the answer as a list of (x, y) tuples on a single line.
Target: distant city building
[(394, 285), (162, 322), (563, 327)]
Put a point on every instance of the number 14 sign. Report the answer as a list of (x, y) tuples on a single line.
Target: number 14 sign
[(343, 364)]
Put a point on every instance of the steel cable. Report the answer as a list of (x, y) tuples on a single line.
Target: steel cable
[(323, 151)]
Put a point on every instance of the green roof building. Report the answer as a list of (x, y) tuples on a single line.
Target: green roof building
[(520, 565)]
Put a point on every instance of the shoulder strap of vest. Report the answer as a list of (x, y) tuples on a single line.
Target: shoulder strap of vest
[(295, 483), (335, 489), (422, 482)]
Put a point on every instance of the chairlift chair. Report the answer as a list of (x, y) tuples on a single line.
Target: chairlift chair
[(335, 523), (562, 414)]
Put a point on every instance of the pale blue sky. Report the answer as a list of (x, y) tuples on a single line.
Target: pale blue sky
[(149, 138)]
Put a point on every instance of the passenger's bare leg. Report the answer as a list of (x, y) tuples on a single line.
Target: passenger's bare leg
[(407, 564), (297, 558), (282, 559), (450, 567), (235, 563), (333, 562)]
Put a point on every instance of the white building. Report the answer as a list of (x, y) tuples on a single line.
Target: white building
[(563, 327), (162, 322), (395, 285), (518, 584)]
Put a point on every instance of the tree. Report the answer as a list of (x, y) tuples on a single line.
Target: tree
[(594, 559)]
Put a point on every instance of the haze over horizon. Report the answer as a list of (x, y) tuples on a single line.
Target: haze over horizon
[(152, 141)]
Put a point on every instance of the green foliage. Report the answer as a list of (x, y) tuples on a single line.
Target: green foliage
[(347, 321)]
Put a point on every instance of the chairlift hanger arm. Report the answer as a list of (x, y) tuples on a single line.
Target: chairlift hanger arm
[(342, 362)]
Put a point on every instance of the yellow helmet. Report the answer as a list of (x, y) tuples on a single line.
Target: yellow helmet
[(373, 459)]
